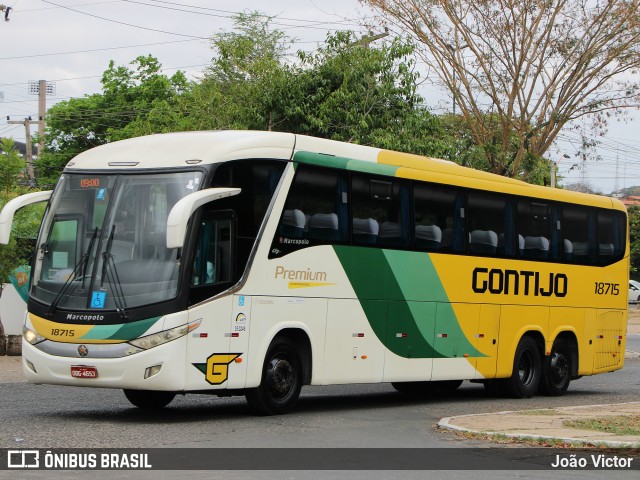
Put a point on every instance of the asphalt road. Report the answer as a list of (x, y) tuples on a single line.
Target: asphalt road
[(36, 416)]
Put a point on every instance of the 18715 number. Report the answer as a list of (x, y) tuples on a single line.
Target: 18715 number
[(602, 288)]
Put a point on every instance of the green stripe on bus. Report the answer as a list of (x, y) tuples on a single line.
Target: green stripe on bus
[(404, 301), (345, 163), (122, 331)]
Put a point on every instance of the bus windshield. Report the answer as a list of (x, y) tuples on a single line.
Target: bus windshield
[(102, 244)]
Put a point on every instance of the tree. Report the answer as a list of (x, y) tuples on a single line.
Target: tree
[(11, 165), (246, 84), (26, 221), (346, 90), (520, 70), (354, 91)]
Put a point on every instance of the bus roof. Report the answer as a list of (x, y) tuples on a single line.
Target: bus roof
[(192, 148)]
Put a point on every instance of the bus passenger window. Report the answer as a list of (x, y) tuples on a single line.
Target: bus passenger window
[(316, 211), (611, 235), (578, 235), (437, 214), (490, 225), (535, 233), (380, 209)]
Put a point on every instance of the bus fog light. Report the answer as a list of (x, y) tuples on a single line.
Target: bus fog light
[(30, 366), (151, 371)]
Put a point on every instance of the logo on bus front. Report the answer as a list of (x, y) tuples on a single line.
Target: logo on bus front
[(216, 370)]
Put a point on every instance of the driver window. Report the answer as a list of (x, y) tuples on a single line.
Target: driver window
[(213, 260)]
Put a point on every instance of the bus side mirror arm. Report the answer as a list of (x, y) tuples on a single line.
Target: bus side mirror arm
[(181, 212), (12, 206)]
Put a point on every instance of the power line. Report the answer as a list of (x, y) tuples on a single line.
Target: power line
[(97, 49), (124, 23)]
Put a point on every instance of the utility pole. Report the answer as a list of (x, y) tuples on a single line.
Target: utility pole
[(368, 40), (42, 111), (29, 150), (42, 88)]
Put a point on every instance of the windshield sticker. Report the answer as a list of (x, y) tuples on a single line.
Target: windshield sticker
[(98, 299), (100, 194)]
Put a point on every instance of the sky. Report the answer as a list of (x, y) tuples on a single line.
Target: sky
[(69, 43)]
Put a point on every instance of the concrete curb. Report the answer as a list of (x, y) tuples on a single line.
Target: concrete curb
[(447, 423)]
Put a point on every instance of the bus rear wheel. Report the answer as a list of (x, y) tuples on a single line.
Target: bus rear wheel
[(557, 370), (527, 370), (281, 381), (149, 399)]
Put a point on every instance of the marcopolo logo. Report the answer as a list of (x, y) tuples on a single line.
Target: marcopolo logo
[(87, 318), (523, 282)]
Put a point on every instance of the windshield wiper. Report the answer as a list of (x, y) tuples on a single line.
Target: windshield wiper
[(110, 272), (80, 267)]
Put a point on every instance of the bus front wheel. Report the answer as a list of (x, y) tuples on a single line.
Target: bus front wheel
[(527, 370), (149, 399), (281, 381)]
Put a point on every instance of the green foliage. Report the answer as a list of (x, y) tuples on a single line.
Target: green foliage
[(11, 165), (353, 91)]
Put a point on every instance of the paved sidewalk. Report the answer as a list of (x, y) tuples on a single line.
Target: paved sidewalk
[(547, 424), (11, 369)]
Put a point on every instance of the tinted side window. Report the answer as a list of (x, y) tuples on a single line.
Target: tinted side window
[(536, 234), (611, 236), (316, 211), (438, 219), (578, 235), (490, 225), (380, 212)]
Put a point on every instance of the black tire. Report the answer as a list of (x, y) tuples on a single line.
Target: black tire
[(558, 370), (527, 370), (427, 388), (149, 399), (281, 381)]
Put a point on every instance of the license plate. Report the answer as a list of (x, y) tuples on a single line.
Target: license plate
[(83, 371)]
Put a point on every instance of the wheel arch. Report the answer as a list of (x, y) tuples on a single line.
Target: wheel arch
[(570, 338), (301, 340), (505, 365)]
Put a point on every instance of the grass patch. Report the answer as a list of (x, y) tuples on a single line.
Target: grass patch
[(540, 412), (622, 425)]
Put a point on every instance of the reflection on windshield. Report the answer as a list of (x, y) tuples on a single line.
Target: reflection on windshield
[(103, 242)]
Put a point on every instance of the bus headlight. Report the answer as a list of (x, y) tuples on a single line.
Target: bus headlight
[(165, 336), (31, 336)]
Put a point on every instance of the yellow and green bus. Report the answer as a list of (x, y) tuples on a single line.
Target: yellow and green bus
[(254, 263)]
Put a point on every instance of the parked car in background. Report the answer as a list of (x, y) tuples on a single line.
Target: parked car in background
[(634, 291)]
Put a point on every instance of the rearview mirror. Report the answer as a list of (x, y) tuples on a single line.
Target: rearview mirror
[(184, 208)]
